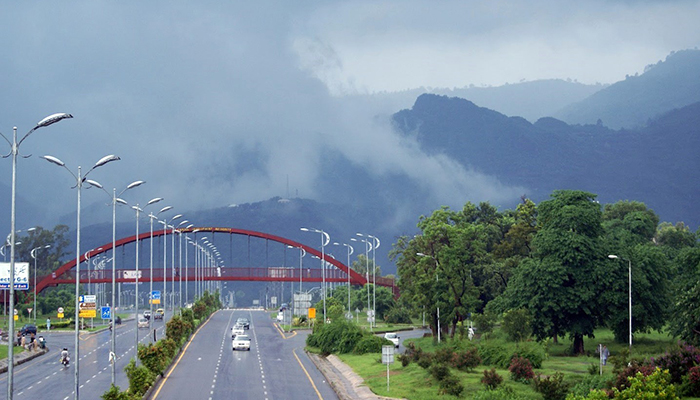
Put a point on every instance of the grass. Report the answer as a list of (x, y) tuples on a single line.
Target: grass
[(415, 383), (15, 351)]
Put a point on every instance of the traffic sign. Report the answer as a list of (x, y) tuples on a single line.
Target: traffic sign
[(60, 310), (87, 306), (106, 313)]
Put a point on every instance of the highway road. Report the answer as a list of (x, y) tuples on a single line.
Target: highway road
[(276, 366), (44, 377)]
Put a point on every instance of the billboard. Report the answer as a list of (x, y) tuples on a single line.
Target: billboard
[(21, 275)]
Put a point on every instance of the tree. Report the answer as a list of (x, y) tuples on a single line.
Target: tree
[(360, 266), (560, 283), (684, 321)]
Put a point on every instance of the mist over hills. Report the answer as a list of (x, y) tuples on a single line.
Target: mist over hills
[(664, 86), (654, 165)]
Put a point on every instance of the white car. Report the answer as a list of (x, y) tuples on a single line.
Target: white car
[(237, 330), (143, 323), (241, 342), (393, 338)]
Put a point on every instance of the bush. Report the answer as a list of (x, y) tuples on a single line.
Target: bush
[(655, 386), (114, 393), (466, 360), (678, 361), (552, 387), (439, 371), (499, 354), (153, 357), (443, 355), (370, 344), (590, 382), (178, 329), (405, 360), (168, 346), (521, 369), (140, 378), (691, 382), (622, 381), (425, 360), (451, 385), (491, 379), (337, 337)]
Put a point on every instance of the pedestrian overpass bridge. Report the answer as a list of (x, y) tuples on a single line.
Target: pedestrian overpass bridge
[(197, 269)]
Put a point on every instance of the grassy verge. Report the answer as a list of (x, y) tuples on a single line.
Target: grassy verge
[(414, 383), (4, 350)]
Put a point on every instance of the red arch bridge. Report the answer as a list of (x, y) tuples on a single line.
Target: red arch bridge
[(253, 247)]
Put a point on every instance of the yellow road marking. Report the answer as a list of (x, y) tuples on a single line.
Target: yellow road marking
[(165, 378), (281, 332), (307, 375)]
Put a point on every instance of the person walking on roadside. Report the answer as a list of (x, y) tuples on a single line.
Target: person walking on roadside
[(48, 323), (604, 354)]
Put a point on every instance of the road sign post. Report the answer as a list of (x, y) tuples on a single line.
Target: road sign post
[(106, 312), (387, 358)]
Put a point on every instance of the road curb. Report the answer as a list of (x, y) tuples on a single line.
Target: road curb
[(22, 358)]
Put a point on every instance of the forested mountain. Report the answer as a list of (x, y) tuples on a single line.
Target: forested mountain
[(664, 86), (654, 165)]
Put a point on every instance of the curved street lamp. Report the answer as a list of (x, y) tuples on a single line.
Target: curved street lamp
[(350, 251), (368, 248), (115, 199), (33, 254), (14, 152), (325, 239), (613, 256), (79, 181), (375, 246)]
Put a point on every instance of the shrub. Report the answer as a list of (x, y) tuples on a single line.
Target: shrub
[(337, 337), (552, 387), (451, 385), (466, 360), (439, 371), (521, 369), (491, 379), (497, 353), (654, 386), (153, 357), (370, 344), (425, 360), (177, 329), (168, 346), (443, 355), (622, 380), (533, 351), (140, 378), (405, 360), (678, 361), (114, 393), (590, 382), (412, 351), (691, 382)]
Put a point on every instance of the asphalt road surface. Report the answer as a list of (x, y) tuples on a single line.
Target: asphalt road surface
[(276, 366), (44, 377)]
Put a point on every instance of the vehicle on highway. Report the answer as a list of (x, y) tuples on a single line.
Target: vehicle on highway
[(147, 314), (243, 322), (159, 314), (393, 338), (241, 342), (27, 330), (237, 330), (143, 322)]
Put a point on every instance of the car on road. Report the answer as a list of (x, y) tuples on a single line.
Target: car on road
[(147, 314), (158, 314), (243, 322), (241, 342), (27, 330), (237, 330), (143, 323), (393, 338)]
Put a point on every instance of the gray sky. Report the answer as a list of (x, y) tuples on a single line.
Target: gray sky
[(215, 103)]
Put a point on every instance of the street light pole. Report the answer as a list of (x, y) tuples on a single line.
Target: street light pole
[(629, 280), (368, 247), (33, 254), (350, 251), (79, 179), (375, 246), (14, 151), (325, 239)]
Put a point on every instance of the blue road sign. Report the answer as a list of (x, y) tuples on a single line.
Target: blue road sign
[(155, 295), (106, 313)]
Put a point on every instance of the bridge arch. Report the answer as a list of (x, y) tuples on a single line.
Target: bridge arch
[(63, 274)]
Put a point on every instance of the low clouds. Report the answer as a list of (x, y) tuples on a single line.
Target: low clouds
[(214, 104)]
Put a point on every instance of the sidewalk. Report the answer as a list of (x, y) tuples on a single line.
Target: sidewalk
[(344, 381)]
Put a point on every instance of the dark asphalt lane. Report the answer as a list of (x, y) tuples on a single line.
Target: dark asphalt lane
[(46, 378), (276, 367)]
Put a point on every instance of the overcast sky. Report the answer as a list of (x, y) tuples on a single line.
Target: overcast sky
[(215, 103)]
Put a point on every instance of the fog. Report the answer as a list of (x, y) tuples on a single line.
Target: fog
[(215, 104)]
